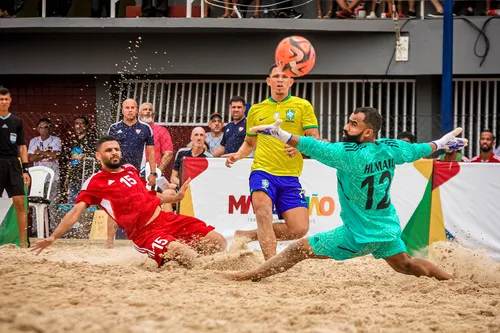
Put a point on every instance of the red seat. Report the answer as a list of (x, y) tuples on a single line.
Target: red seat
[(173, 11)]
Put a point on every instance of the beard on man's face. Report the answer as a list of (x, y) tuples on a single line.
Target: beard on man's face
[(113, 163), (486, 148), (351, 138)]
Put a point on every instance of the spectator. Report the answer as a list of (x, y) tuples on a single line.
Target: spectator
[(497, 151), (348, 10), (164, 149), (44, 150), (134, 137), (154, 8), (198, 137), (285, 9), (235, 131), (214, 137), (452, 156), (328, 12), (97, 6), (81, 145), (487, 142), (407, 136), (56, 8), (10, 8)]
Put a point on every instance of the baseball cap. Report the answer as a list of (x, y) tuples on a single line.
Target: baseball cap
[(215, 114)]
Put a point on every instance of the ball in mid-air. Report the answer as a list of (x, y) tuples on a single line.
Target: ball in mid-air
[(295, 55)]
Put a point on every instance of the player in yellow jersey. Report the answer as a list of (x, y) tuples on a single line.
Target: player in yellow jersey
[(274, 181)]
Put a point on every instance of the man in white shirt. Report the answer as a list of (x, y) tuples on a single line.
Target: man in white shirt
[(44, 150)]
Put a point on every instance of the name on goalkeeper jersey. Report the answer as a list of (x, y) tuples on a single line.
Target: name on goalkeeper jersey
[(380, 165)]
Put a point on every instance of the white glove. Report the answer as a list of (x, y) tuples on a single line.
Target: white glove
[(273, 130), (451, 142)]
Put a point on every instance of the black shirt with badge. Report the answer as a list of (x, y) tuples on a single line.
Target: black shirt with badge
[(186, 152), (11, 135)]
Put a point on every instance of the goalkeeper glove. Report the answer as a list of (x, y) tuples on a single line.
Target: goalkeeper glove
[(451, 142), (273, 130)]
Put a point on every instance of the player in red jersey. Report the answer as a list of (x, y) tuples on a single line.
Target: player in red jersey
[(122, 193)]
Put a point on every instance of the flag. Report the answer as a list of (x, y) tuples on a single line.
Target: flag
[(9, 232)]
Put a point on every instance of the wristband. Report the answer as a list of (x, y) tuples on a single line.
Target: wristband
[(154, 174), (26, 167)]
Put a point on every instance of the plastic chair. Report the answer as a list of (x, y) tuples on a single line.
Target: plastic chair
[(40, 200)]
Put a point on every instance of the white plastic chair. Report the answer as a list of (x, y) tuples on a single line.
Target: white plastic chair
[(40, 200)]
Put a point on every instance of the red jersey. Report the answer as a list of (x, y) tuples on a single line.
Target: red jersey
[(493, 159), (123, 195)]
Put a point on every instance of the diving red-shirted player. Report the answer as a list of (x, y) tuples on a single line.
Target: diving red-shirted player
[(122, 193)]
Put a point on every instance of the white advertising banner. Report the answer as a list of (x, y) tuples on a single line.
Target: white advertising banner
[(220, 196), (470, 199)]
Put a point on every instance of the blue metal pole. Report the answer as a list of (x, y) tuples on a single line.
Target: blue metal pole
[(447, 78)]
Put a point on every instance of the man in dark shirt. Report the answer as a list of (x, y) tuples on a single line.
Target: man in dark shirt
[(198, 137), (81, 145), (13, 176), (234, 132), (134, 136)]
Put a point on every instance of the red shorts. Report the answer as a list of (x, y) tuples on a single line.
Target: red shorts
[(153, 239)]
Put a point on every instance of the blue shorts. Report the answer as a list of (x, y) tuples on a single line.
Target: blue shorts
[(285, 191), (339, 244)]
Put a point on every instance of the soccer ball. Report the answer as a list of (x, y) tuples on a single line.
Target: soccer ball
[(295, 56)]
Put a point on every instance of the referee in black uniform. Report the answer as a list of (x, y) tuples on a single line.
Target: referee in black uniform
[(12, 175)]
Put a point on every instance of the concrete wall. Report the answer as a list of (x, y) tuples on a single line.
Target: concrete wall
[(234, 47)]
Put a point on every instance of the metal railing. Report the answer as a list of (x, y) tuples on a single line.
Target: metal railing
[(189, 8), (190, 103), (476, 107)]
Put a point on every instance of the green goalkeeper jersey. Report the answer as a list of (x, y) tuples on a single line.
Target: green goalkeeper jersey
[(365, 172)]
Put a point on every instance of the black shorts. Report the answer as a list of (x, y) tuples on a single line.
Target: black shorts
[(11, 177)]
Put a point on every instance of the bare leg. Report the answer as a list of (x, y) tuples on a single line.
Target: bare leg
[(295, 253), (226, 11), (411, 6), (438, 6), (111, 231), (296, 226), (212, 242), (342, 4), (22, 220), (330, 10), (262, 206), (256, 13), (182, 253), (318, 8), (403, 263)]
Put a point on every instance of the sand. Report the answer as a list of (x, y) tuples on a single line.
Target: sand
[(77, 286)]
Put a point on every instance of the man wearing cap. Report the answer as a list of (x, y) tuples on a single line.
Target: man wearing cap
[(214, 137), (234, 132)]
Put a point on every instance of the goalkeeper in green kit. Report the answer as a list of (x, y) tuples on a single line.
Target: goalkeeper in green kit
[(365, 169)]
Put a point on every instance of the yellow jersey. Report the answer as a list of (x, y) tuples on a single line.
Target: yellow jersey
[(297, 115)]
